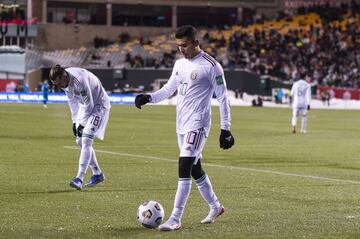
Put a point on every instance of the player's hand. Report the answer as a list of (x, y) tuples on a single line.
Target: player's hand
[(74, 129), (79, 130), (142, 99), (226, 139), (308, 107)]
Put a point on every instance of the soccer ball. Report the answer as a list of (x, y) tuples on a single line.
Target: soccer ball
[(150, 214)]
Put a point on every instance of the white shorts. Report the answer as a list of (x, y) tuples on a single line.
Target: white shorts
[(299, 110), (192, 144), (96, 124)]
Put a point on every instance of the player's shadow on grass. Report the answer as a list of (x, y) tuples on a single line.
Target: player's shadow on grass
[(34, 137), (38, 192), (135, 231), (85, 190)]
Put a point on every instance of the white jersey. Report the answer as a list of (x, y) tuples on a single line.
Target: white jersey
[(301, 94), (196, 80), (84, 92)]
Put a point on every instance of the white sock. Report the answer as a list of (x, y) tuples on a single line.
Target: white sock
[(85, 156), (94, 164), (182, 195), (207, 192), (303, 123), (294, 121)]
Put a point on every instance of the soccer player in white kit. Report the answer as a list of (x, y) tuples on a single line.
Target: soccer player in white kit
[(195, 77), (301, 96), (90, 107)]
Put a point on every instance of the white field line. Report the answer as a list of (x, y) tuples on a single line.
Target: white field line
[(228, 167)]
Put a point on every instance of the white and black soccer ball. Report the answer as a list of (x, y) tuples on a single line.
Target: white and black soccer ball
[(150, 214)]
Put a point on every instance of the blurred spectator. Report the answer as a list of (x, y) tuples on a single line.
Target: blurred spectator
[(45, 92)]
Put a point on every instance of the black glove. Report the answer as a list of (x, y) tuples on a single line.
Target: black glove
[(308, 107), (142, 99), (79, 130), (74, 129), (226, 139)]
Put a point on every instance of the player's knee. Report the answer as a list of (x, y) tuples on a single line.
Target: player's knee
[(185, 166), (197, 171), (86, 142), (78, 141)]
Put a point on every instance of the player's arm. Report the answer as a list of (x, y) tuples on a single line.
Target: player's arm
[(308, 96), (74, 109), (292, 93), (88, 101), (219, 84), (165, 92)]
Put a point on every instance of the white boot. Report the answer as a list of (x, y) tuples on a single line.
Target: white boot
[(170, 225), (213, 214)]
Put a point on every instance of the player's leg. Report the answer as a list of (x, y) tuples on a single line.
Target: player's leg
[(303, 121), (98, 176), (187, 144), (294, 119), (77, 182), (205, 187), (84, 160), (85, 156), (96, 126)]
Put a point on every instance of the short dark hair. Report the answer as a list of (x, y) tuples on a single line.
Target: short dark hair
[(187, 31), (55, 72)]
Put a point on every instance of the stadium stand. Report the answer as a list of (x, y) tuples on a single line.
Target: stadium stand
[(317, 41)]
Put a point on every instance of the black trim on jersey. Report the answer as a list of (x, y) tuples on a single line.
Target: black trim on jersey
[(88, 136), (76, 81), (209, 60), (199, 139), (190, 139)]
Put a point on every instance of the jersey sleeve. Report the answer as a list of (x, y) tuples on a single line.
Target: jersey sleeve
[(88, 101), (74, 106), (168, 89), (293, 90), (308, 95), (220, 89)]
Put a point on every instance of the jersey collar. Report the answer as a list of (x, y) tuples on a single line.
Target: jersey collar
[(200, 54)]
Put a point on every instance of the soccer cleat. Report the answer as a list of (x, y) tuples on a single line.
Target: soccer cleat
[(213, 214), (303, 131), (95, 179), (170, 225), (294, 130), (76, 183)]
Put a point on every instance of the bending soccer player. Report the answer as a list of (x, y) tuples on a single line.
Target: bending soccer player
[(90, 107), (301, 96), (195, 77)]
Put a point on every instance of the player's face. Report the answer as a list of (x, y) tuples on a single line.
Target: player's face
[(187, 47), (62, 81)]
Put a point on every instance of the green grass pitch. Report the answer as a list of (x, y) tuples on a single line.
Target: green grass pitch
[(273, 184)]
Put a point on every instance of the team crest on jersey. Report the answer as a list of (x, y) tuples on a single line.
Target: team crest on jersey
[(193, 75), (83, 93), (219, 80)]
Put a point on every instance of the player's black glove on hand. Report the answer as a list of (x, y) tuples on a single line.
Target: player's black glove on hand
[(74, 129), (308, 108), (79, 130), (226, 139), (142, 99)]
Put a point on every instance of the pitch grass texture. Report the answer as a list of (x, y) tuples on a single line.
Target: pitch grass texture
[(273, 184)]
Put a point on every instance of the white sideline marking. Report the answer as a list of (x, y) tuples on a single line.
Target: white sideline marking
[(228, 167)]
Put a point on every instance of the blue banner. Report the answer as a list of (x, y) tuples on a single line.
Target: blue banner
[(58, 98)]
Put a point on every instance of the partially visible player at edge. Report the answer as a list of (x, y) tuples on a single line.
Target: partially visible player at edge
[(301, 96), (195, 78), (90, 107)]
